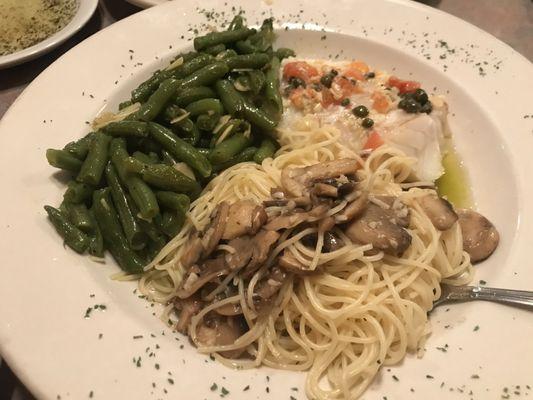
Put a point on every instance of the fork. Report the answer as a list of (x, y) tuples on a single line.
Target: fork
[(521, 298)]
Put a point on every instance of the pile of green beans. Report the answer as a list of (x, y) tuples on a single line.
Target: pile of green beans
[(132, 180)]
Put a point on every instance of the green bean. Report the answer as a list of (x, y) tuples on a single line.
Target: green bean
[(180, 150), (231, 127), (205, 106), (245, 47), (272, 92), (250, 81), (224, 55), (93, 167), (80, 147), (186, 96), (145, 89), (187, 68), (206, 122), (172, 112), (73, 237), (96, 244), (214, 50), (135, 237), (126, 128), (236, 104), (229, 148), (283, 53), (190, 64), (161, 176), (214, 38), (236, 23), (204, 151), (173, 201), (158, 100), (79, 216), (172, 223), (63, 159), (114, 239), (232, 101), (151, 158), (205, 76), (263, 39), (246, 155), (189, 131), (78, 192), (141, 193), (258, 117), (255, 61), (266, 150), (124, 104)]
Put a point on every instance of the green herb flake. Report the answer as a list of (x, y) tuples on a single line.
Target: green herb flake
[(138, 337), (476, 328), (395, 378), (224, 391), (171, 381), (156, 366), (91, 394), (475, 376), (482, 282), (246, 388), (429, 377), (214, 387)]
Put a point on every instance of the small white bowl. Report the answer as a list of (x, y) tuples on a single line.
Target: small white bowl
[(85, 11)]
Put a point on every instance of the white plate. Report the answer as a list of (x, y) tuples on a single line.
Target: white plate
[(85, 11), (146, 3), (45, 289)]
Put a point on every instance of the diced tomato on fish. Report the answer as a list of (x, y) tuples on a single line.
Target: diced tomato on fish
[(300, 70), (380, 102), (403, 86), (374, 141), (357, 70)]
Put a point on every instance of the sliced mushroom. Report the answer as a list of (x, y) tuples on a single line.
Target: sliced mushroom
[(262, 244), (188, 308), (244, 217), (291, 264), (293, 219), (242, 254), (192, 253), (297, 181), (376, 227), (325, 190), (229, 310), (354, 209), (199, 276), (439, 211), (270, 285), (220, 331), (214, 231), (331, 242), (480, 237), (326, 224), (397, 210)]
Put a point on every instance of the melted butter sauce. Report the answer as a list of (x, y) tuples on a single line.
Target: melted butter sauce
[(454, 184)]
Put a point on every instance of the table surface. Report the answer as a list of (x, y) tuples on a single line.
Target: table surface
[(511, 21)]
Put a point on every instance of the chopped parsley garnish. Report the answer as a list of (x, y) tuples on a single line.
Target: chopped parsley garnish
[(214, 387)]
